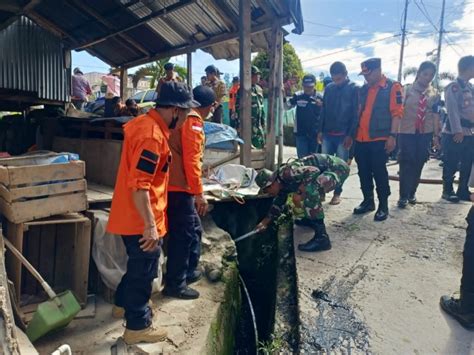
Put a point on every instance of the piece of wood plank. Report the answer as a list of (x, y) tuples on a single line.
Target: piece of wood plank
[(8, 334), (24, 211), (34, 174), (44, 190), (25, 160), (15, 236), (32, 250), (47, 251), (81, 258)]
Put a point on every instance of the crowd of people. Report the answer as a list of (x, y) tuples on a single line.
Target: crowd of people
[(159, 190)]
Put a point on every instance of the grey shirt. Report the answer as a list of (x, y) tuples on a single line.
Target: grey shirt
[(459, 97)]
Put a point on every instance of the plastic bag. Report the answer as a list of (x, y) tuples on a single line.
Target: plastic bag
[(234, 176), (110, 255)]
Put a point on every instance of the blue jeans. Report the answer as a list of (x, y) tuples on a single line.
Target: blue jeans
[(334, 145), (306, 145)]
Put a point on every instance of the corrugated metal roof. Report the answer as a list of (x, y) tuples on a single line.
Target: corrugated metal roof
[(115, 31), (33, 63)]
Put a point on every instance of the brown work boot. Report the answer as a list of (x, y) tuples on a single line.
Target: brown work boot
[(119, 312), (148, 335)]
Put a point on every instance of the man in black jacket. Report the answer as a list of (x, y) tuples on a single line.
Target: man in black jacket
[(308, 108), (339, 116)]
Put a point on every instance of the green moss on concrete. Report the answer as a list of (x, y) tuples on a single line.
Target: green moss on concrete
[(221, 337)]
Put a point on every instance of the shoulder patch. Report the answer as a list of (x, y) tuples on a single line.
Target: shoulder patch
[(399, 97)]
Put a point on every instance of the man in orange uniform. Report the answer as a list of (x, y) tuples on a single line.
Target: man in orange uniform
[(381, 108), (185, 199), (139, 204), (233, 91)]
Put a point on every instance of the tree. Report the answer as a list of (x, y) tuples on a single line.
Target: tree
[(413, 70), (156, 70), (292, 68)]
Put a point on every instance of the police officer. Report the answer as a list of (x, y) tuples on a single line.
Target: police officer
[(458, 131), (306, 178), (308, 108), (258, 113), (216, 84), (186, 200), (139, 205)]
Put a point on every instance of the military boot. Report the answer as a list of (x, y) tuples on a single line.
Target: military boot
[(368, 205), (320, 240), (382, 211), (448, 193), (147, 335), (461, 309)]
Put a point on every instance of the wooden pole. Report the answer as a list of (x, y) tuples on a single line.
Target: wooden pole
[(189, 67), (245, 82), (272, 120), (279, 96), (123, 84)]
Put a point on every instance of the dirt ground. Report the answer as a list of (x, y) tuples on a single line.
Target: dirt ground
[(378, 289)]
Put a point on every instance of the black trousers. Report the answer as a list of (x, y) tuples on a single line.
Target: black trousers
[(467, 280), (134, 290), (457, 156), (184, 239), (218, 114), (371, 159), (413, 154)]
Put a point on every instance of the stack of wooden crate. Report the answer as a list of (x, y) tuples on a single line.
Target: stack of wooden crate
[(40, 204)]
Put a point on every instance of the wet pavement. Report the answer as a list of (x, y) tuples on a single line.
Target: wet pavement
[(378, 289)]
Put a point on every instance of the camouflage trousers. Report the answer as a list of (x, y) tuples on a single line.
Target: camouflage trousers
[(307, 202), (258, 137)]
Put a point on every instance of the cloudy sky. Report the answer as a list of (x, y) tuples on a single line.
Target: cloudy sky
[(350, 31)]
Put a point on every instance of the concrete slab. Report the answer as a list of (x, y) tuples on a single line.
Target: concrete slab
[(378, 289)]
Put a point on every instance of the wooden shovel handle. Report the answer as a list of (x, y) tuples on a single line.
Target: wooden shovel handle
[(30, 268)]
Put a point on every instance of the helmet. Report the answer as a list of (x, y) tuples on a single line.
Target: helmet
[(265, 178)]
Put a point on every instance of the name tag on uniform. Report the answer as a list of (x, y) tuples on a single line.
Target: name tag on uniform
[(302, 103), (196, 128)]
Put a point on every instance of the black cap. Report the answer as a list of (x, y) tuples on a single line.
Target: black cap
[(204, 95), (176, 94), (370, 64), (168, 66), (211, 69), (309, 80), (235, 79)]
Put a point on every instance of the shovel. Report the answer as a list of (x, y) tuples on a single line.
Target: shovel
[(51, 315)]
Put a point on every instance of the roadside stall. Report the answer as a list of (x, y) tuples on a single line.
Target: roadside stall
[(58, 167)]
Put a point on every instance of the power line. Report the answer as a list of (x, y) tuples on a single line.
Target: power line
[(351, 48), (404, 32)]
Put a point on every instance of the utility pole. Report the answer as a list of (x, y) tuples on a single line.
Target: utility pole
[(440, 42), (402, 49)]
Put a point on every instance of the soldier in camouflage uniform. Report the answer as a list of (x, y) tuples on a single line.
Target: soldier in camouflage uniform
[(258, 113), (307, 178)]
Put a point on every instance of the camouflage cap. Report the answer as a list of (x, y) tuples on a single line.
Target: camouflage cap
[(265, 178), (255, 70)]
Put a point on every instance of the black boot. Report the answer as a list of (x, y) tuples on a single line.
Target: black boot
[(402, 203), (368, 205), (448, 193), (319, 242), (461, 309), (382, 211)]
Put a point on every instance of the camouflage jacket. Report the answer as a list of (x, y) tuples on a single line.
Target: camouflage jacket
[(305, 171)]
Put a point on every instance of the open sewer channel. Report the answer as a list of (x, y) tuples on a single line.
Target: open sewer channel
[(260, 268)]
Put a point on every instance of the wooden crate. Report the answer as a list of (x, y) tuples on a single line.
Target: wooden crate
[(29, 191), (58, 247)]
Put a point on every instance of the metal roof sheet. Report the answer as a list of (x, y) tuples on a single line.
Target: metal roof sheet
[(124, 33)]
